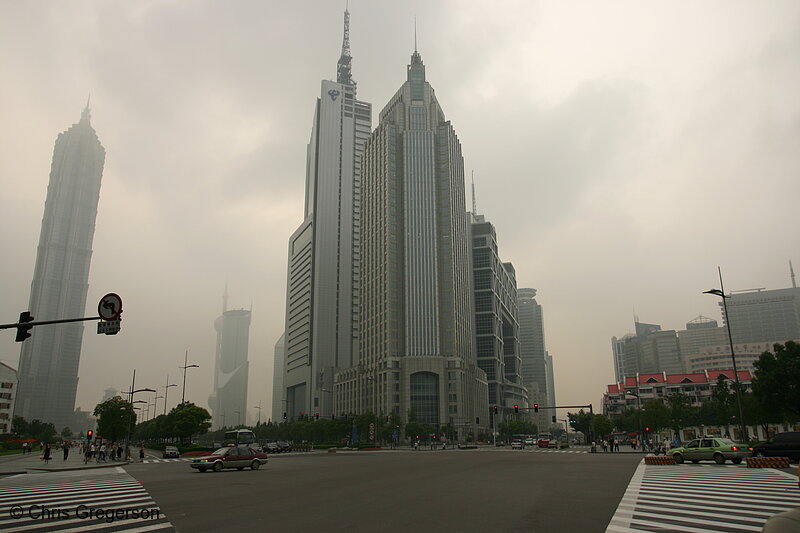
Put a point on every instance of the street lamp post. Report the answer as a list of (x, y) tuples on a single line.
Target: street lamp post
[(721, 293), (130, 401), (638, 416), (259, 413), (184, 367), (332, 402), (155, 403), (166, 390)]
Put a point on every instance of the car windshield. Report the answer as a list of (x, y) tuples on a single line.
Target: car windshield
[(221, 451), (172, 449), (725, 442)]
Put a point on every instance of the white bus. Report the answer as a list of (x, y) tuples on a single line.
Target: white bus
[(239, 437)]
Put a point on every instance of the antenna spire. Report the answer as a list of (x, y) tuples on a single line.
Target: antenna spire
[(343, 74), (415, 34), (86, 114), (474, 203), (791, 270)]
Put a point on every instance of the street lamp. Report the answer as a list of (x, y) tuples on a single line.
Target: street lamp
[(721, 293), (155, 402), (259, 413), (333, 407), (184, 367), (166, 390), (638, 416)]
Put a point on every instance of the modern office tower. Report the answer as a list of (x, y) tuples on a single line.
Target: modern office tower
[(700, 332), (534, 352), (278, 407), (8, 395), (322, 312), (416, 356), (496, 327), (228, 403), (49, 360), (652, 350), (618, 354), (763, 315)]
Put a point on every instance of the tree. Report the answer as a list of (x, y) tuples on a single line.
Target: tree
[(655, 415), (776, 380), (66, 433), (603, 425), (681, 411), (507, 428), (115, 417), (581, 421), (187, 419), (19, 426)]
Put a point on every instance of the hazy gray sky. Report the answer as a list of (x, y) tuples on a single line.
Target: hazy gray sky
[(623, 149)]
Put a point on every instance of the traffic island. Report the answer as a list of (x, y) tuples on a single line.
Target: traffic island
[(767, 462)]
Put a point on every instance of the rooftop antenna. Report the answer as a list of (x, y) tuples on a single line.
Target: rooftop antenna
[(86, 114), (415, 33), (791, 270), (343, 74), (474, 204)]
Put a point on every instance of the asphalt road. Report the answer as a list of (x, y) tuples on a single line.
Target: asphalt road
[(402, 491)]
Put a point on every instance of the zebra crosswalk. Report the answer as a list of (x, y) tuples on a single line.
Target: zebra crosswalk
[(172, 460), (703, 498), (99, 500)]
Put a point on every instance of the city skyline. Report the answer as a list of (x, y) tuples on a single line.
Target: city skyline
[(620, 165)]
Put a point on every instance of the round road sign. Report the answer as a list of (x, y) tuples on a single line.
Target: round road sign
[(110, 306)]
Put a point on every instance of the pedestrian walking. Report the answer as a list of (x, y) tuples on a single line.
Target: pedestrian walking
[(46, 454), (616, 445), (65, 448), (141, 453), (605, 446), (102, 456)]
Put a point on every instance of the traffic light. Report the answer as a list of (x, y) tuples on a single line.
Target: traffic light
[(333, 416), (89, 434), (516, 408), (284, 416), (536, 408), (495, 409), (23, 332), (573, 420), (554, 419), (647, 429), (316, 416)]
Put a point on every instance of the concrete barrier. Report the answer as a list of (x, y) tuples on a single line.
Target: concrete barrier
[(767, 462), (659, 460)]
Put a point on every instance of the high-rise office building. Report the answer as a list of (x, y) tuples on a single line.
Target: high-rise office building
[(534, 354), (496, 327), (416, 356), (278, 407), (651, 350), (322, 312), (49, 360), (763, 315), (228, 402), (700, 332), (8, 394)]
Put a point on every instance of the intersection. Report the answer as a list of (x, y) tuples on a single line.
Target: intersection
[(482, 490)]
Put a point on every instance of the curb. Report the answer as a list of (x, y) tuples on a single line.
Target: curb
[(70, 468), (13, 473)]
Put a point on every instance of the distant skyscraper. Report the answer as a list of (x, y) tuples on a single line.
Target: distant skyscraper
[(651, 350), (496, 327), (323, 271), (278, 389), (534, 353), (416, 354), (49, 360), (229, 401)]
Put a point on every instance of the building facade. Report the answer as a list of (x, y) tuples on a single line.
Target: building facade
[(496, 326), (763, 315), (278, 405), (700, 332), (322, 313), (416, 345), (228, 403), (8, 395), (49, 359)]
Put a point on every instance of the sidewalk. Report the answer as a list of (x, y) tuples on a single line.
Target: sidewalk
[(30, 462)]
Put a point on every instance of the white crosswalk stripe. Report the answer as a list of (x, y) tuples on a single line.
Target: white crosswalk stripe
[(99, 500), (172, 460), (703, 498)]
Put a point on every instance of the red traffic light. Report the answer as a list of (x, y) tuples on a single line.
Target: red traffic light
[(516, 408), (536, 408), (89, 434)]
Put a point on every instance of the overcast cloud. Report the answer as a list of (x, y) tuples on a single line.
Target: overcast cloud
[(622, 149)]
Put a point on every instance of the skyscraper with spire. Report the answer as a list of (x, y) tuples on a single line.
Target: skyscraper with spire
[(49, 360), (322, 314), (416, 347)]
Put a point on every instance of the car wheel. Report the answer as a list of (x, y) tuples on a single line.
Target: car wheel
[(719, 458), (255, 465), (218, 466), (678, 458), (203, 469), (736, 460), (695, 461)]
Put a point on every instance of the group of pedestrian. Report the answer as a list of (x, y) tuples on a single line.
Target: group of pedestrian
[(611, 445)]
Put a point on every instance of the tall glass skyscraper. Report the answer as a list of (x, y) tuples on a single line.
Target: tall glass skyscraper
[(323, 271), (228, 403), (416, 346), (48, 367)]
